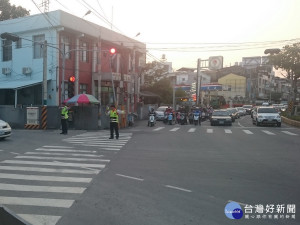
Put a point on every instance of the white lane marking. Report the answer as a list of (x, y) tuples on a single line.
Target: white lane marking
[(210, 131), (55, 164), (268, 132), (61, 158), (1, 150), (44, 178), (40, 219), (50, 146), (110, 141), (62, 150), (192, 130), (227, 131), (178, 188), (48, 170), (175, 129), (108, 149), (240, 124), (36, 201), (14, 153), (289, 133), (63, 154), (247, 131), (159, 128), (34, 188), (129, 177)]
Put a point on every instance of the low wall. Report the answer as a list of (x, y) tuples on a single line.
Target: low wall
[(290, 122)]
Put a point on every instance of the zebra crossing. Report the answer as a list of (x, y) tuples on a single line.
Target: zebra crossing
[(226, 130), (41, 184)]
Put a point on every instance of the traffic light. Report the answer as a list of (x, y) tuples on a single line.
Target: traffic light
[(9, 36), (71, 83), (112, 51)]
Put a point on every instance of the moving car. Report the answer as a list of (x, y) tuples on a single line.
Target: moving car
[(5, 129), (220, 117), (241, 111), (266, 115), (232, 113), (248, 109)]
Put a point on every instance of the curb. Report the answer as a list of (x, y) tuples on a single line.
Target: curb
[(290, 122)]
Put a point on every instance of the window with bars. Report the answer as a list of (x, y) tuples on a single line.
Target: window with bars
[(66, 46), (84, 52), (7, 50), (38, 42), (82, 88)]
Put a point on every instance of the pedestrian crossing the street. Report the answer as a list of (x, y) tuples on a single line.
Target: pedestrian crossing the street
[(41, 184), (226, 131)]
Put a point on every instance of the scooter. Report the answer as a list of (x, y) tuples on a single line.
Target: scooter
[(197, 120), (151, 121), (183, 119)]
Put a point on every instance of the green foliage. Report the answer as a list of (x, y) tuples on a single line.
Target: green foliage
[(153, 72), (8, 11), (163, 88)]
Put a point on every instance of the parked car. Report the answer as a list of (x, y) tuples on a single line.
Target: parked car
[(241, 110), (266, 115), (220, 117), (5, 129), (248, 109), (160, 112)]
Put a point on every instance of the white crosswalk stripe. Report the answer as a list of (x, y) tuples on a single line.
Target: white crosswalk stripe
[(227, 131), (159, 128), (289, 133), (247, 132), (209, 131), (192, 130), (268, 132), (53, 170), (175, 129)]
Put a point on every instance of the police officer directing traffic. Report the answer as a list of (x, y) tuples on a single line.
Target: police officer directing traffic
[(114, 122), (64, 119)]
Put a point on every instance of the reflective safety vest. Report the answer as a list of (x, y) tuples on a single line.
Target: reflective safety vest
[(114, 117), (64, 113)]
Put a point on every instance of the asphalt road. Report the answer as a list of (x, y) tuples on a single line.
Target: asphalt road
[(167, 174)]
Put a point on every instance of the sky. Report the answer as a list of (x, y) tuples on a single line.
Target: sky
[(185, 31)]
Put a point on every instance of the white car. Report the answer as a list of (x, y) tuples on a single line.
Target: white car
[(266, 115), (5, 129), (160, 112), (241, 111)]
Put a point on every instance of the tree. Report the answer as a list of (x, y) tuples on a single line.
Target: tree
[(8, 11), (288, 59), (153, 72)]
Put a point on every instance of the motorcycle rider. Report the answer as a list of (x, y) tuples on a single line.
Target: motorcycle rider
[(151, 113)]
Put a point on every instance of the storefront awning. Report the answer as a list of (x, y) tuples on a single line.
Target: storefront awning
[(19, 83)]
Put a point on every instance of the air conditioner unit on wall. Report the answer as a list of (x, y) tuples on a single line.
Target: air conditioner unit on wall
[(6, 71), (27, 70)]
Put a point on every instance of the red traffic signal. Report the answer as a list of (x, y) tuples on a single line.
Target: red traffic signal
[(72, 79), (112, 51)]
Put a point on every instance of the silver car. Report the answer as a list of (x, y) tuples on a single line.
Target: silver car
[(5, 129), (266, 115)]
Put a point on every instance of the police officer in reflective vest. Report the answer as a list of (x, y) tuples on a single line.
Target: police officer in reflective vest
[(64, 120), (114, 122)]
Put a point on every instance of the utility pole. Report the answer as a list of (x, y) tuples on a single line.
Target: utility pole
[(45, 93), (198, 84)]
